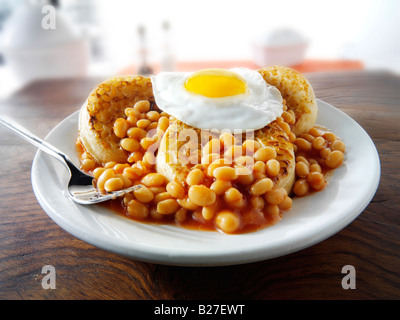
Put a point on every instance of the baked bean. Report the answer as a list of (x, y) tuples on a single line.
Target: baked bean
[(243, 165), (259, 170), (137, 210), (127, 197), (257, 202), (300, 187), (155, 214), (227, 139), (212, 146), (109, 164), (163, 124), (315, 167), (318, 143), (130, 144), (243, 178), (107, 174), (227, 221), (136, 133), (307, 136), (120, 128), (312, 161), (153, 180), (97, 172), (276, 195), (288, 117), (113, 184), (220, 186), (167, 206), (303, 144), (201, 195), (272, 210), (157, 190), (132, 119), (143, 194), (302, 159), (120, 167), (142, 166), (314, 132), (264, 154), (329, 136), (143, 123), (152, 127), (272, 167), (153, 115), (261, 186), (130, 111), (334, 159), (245, 161), (147, 142), (250, 146), (302, 169), (142, 106), (132, 173), (233, 152), (216, 164), (292, 137), (149, 158), (316, 180), (324, 153), (209, 212), (238, 204), (225, 173), (175, 189), (127, 182), (209, 158), (161, 197), (195, 177), (88, 164), (286, 204), (338, 145), (285, 127), (187, 204), (232, 195), (180, 215)]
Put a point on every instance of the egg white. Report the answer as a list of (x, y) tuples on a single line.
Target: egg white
[(257, 107)]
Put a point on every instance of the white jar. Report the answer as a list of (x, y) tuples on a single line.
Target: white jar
[(32, 50)]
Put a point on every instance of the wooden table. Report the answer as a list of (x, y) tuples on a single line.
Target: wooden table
[(30, 240)]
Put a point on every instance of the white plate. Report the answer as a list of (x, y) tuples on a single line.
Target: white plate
[(312, 219)]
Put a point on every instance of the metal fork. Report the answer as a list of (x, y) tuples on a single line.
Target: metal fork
[(81, 188)]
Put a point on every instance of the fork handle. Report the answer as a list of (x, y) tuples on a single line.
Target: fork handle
[(35, 140)]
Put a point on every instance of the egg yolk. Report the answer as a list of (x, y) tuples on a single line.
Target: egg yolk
[(216, 83)]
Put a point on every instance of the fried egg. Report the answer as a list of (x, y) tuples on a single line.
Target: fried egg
[(236, 99)]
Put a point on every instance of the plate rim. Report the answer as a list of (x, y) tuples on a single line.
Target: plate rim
[(212, 258)]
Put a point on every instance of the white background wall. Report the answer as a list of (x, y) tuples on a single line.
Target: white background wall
[(223, 29), (367, 30)]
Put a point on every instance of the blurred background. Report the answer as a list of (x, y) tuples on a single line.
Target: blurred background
[(102, 38)]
